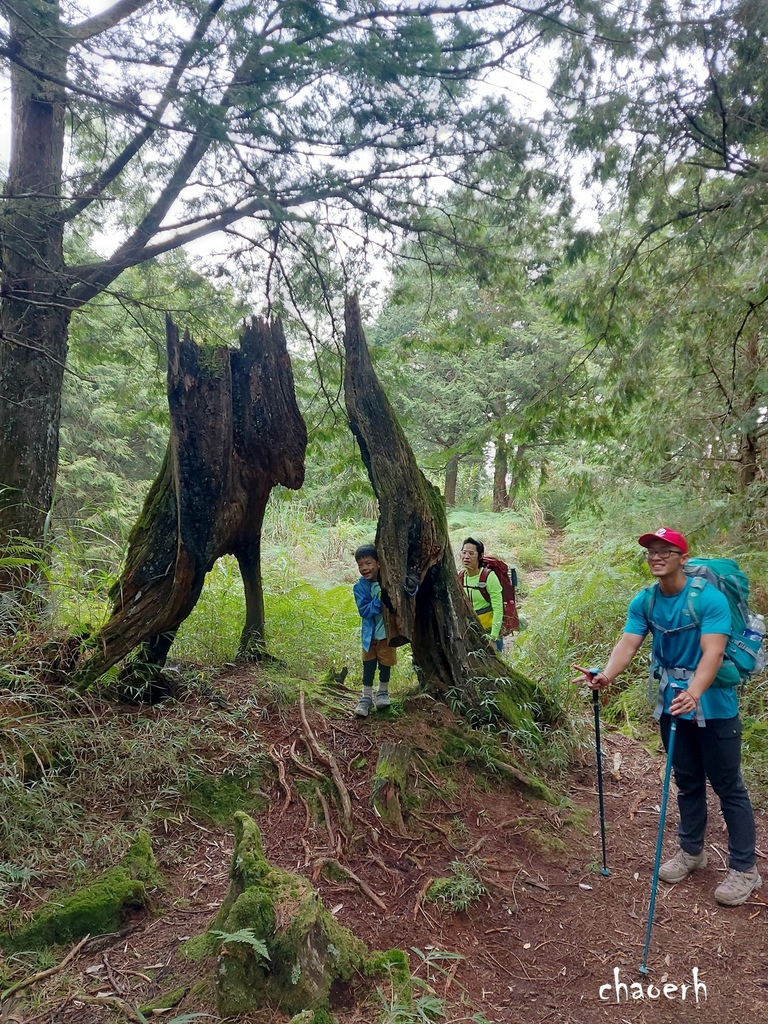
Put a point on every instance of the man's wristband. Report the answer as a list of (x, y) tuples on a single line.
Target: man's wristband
[(598, 672)]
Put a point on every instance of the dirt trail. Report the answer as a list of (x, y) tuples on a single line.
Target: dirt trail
[(553, 558), (546, 941)]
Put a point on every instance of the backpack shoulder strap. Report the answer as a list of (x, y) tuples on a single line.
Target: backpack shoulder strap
[(650, 600), (694, 592)]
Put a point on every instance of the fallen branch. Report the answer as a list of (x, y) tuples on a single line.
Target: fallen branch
[(333, 862), (117, 1003), (117, 986), (26, 982), (329, 760)]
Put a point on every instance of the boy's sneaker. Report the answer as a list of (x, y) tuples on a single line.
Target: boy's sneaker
[(681, 865), (381, 700), (364, 705), (737, 887)]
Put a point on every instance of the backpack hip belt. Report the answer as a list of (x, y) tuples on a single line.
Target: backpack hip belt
[(667, 677)]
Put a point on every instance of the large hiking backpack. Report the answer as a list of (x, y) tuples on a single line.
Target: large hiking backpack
[(508, 579), (744, 654)]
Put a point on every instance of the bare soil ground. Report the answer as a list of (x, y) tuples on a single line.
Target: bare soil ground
[(548, 943)]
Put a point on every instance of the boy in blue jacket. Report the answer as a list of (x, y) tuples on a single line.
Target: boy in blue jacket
[(376, 650)]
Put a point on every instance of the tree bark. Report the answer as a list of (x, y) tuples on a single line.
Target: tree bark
[(451, 479), (34, 315), (236, 432), (452, 654), (517, 474), (500, 474), (749, 453)]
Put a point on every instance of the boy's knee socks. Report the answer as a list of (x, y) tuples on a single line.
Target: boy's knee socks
[(369, 674)]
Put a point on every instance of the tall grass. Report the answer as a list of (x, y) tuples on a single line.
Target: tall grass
[(519, 537), (575, 618), (74, 772)]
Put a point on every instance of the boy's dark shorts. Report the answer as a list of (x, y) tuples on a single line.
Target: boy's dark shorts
[(381, 651)]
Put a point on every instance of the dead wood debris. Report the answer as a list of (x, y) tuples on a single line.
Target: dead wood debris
[(335, 863), (26, 982)]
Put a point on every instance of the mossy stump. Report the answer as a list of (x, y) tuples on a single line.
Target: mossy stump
[(96, 909), (312, 959), (390, 784)]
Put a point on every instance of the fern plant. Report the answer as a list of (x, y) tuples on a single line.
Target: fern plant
[(247, 937)]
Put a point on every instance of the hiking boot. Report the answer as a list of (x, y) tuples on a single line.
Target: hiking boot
[(681, 865), (381, 700), (737, 886), (364, 705)]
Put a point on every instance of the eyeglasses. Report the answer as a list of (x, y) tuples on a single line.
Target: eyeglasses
[(663, 555)]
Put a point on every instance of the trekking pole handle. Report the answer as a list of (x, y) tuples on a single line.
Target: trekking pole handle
[(687, 716)]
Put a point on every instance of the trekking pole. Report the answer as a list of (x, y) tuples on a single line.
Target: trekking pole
[(643, 968), (599, 755)]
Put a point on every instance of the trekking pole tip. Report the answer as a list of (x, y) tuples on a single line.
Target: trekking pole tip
[(643, 969), (604, 871)]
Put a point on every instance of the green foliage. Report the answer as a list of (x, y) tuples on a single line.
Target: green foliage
[(62, 775), (517, 536), (95, 909), (247, 936), (462, 889), (182, 1018), (473, 358), (427, 1007)]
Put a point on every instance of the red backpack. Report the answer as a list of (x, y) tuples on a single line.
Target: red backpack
[(508, 580)]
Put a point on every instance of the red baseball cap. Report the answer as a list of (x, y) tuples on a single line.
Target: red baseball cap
[(672, 537)]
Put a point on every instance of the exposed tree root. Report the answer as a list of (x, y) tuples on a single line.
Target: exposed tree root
[(333, 842), (336, 864), (330, 761), (280, 766), (26, 982)]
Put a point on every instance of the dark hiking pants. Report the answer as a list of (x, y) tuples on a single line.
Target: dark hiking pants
[(712, 753)]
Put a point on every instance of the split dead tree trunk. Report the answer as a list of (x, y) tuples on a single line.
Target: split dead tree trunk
[(453, 655), (236, 432)]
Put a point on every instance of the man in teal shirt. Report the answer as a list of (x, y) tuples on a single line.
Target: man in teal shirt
[(687, 656)]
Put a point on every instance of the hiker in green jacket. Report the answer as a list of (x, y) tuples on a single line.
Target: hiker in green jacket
[(486, 596)]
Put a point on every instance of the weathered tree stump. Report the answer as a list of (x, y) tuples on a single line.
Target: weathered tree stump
[(310, 958), (236, 432), (389, 786), (454, 656)]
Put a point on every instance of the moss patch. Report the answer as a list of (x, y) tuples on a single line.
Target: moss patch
[(548, 842), (219, 797), (95, 909), (164, 1002)]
